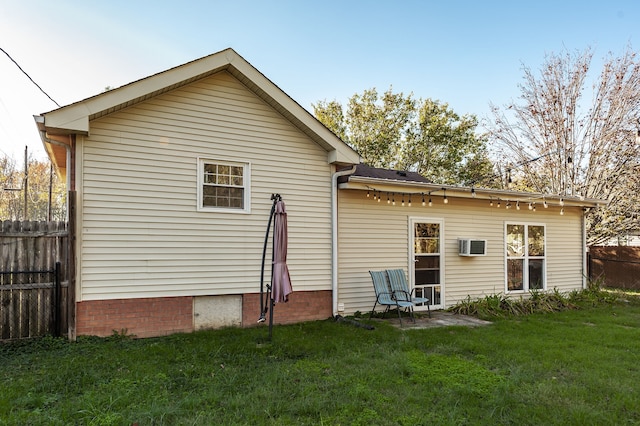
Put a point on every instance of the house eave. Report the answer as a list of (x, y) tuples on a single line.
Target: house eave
[(408, 187)]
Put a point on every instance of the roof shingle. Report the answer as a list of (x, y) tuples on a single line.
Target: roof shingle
[(363, 170)]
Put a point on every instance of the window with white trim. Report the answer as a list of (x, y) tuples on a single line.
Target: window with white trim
[(526, 257), (223, 185)]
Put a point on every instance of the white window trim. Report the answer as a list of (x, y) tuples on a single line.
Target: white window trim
[(525, 270), (246, 166)]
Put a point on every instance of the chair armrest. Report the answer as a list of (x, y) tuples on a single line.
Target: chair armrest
[(407, 297), (391, 296)]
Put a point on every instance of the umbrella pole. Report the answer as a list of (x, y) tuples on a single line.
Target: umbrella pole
[(263, 302), (271, 319), (273, 250)]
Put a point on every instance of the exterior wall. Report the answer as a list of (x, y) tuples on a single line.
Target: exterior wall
[(140, 317), (217, 311), (302, 306), (140, 234), (625, 240), (374, 236), (158, 316)]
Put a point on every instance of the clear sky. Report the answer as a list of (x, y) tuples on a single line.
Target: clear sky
[(464, 53)]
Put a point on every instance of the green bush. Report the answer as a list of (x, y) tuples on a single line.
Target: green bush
[(501, 305)]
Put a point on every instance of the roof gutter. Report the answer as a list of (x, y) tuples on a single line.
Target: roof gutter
[(334, 235)]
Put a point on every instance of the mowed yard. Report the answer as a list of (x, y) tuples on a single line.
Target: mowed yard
[(575, 367)]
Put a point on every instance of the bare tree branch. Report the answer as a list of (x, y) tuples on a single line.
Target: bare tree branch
[(586, 145)]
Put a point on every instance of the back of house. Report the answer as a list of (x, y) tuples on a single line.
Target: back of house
[(172, 178)]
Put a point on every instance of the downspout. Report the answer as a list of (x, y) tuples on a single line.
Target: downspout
[(44, 138), (334, 234), (72, 283)]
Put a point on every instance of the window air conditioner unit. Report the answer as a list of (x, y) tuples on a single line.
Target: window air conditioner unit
[(471, 247)]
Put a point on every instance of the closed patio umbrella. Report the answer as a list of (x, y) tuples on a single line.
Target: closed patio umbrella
[(280, 280)]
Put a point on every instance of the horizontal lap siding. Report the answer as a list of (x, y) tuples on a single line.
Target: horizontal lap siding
[(374, 236), (371, 237), (141, 235), (564, 251), (473, 276)]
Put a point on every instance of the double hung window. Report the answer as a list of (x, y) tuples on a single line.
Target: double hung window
[(526, 257), (223, 185)]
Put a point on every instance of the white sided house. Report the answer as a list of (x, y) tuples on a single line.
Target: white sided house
[(170, 181)]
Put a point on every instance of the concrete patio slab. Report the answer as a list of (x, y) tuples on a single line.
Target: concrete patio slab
[(438, 319)]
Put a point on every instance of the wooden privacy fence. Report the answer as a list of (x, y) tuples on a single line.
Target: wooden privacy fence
[(618, 266), (33, 279)]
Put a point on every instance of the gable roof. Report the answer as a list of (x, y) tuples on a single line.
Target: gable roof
[(74, 118)]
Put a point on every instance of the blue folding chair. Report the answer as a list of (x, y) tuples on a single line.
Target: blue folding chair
[(384, 296), (400, 288)]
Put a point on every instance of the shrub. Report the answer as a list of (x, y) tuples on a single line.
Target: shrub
[(500, 305)]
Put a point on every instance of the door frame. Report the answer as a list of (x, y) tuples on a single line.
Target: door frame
[(413, 220)]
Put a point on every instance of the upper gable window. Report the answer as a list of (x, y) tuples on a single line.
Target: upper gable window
[(223, 186)]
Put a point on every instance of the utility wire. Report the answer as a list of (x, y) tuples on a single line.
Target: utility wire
[(29, 77)]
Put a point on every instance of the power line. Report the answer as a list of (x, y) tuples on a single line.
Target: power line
[(29, 77)]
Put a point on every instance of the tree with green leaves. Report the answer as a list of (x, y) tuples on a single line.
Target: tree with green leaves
[(400, 132), (565, 140)]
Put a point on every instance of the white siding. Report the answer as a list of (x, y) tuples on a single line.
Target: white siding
[(141, 235), (374, 236)]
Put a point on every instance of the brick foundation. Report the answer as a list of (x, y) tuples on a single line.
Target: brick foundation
[(160, 316), (141, 317), (302, 306)]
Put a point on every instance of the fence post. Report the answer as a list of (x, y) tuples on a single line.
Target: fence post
[(56, 298)]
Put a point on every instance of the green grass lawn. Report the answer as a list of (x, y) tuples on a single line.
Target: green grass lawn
[(573, 367)]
